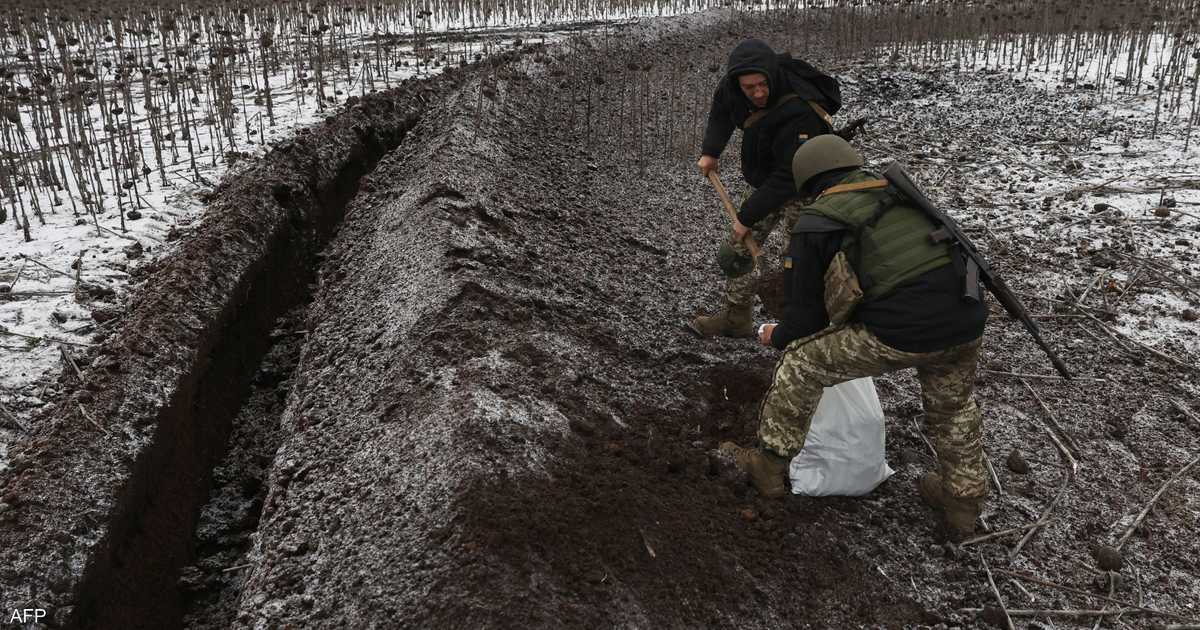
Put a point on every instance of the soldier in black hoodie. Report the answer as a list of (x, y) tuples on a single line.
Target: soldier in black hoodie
[(778, 102)]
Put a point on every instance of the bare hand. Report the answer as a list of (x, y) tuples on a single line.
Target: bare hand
[(764, 335), (707, 164), (739, 231)]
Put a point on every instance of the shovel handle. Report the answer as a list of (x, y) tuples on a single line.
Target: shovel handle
[(749, 241)]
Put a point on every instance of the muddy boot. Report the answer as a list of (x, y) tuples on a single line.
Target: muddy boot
[(735, 320), (767, 471), (959, 513)]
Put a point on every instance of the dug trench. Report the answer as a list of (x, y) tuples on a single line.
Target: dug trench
[(101, 498)]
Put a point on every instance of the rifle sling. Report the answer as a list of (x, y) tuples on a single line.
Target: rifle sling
[(762, 113), (845, 188)]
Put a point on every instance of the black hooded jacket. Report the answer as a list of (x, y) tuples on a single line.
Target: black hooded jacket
[(768, 145)]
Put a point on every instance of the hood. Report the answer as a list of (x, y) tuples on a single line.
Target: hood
[(754, 55)]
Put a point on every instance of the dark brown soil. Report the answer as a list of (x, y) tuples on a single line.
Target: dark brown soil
[(501, 422), (499, 418)]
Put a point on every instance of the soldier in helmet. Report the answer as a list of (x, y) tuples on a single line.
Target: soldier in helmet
[(867, 291), (777, 102)]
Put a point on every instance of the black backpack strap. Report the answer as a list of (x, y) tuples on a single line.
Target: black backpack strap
[(759, 114), (817, 223)]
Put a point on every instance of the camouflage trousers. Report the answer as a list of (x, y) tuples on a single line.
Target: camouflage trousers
[(742, 289), (952, 419)]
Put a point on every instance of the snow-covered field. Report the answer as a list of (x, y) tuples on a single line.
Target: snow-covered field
[(65, 283), (1089, 181), (1133, 190)]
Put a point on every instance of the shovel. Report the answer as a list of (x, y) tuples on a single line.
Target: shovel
[(749, 241)]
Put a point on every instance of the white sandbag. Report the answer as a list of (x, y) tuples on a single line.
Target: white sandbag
[(843, 454)]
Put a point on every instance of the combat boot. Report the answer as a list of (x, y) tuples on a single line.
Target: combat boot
[(960, 513), (767, 471), (735, 320)]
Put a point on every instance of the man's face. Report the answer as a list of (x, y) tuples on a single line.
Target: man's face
[(756, 88)]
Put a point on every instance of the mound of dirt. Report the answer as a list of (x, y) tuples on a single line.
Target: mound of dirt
[(499, 418)]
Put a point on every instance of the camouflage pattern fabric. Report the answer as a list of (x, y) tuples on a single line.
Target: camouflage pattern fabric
[(741, 289), (842, 290), (835, 355)]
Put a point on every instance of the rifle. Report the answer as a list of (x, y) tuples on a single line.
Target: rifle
[(852, 128), (976, 267)]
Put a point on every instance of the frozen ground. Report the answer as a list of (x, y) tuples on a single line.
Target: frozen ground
[(1105, 204)]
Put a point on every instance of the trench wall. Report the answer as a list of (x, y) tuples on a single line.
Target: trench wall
[(100, 501)]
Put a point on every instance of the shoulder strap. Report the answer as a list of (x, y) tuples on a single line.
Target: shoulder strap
[(760, 114), (845, 188), (816, 223)]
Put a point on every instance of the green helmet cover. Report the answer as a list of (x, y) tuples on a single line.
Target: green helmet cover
[(821, 154)]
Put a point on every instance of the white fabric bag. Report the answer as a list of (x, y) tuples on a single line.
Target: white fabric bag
[(843, 454)]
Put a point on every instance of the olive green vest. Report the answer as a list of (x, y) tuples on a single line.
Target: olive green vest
[(887, 240)]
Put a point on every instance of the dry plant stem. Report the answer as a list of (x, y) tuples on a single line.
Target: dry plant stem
[(1083, 189), (1021, 587), (1070, 443), (90, 419), (116, 234), (1047, 376), (1099, 279), (1076, 591), (17, 278), (1080, 307), (1165, 357), (1178, 404), (928, 444), (995, 591), (1000, 534), (44, 266), (69, 343), (1132, 282), (1067, 477), (1154, 499), (1112, 586), (1025, 612), (992, 473), (69, 360), (12, 418), (1045, 516), (1053, 317), (1162, 266)]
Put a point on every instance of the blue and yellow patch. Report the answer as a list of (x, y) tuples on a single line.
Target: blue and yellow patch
[(787, 262)]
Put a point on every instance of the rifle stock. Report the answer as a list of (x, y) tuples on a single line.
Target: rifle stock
[(896, 174)]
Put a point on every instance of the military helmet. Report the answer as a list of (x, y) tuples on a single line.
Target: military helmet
[(821, 154)]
